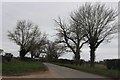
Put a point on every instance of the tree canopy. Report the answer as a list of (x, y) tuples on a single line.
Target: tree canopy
[(98, 22), (27, 36)]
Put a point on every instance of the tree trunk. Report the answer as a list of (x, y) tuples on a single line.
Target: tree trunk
[(92, 56), (77, 58), (32, 55), (22, 53)]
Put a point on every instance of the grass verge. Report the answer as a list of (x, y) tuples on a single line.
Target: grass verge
[(96, 70), (22, 67)]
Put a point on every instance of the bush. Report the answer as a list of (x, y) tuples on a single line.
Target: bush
[(112, 63), (8, 56), (27, 59), (66, 61)]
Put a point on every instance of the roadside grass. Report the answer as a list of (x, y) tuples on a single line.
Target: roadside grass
[(21, 67), (96, 70)]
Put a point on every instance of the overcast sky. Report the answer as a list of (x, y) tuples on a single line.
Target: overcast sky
[(42, 14)]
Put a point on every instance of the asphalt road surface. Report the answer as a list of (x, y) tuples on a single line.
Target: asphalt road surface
[(55, 71)]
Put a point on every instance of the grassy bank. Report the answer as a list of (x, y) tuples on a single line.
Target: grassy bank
[(96, 70), (21, 67)]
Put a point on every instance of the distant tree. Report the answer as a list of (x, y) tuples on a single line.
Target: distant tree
[(98, 22), (72, 36), (24, 35), (38, 46), (54, 50)]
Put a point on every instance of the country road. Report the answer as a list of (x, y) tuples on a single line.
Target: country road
[(56, 71)]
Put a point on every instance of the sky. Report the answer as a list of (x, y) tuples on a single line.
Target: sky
[(42, 14)]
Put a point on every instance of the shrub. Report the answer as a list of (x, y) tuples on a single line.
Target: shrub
[(66, 61), (8, 56), (112, 63)]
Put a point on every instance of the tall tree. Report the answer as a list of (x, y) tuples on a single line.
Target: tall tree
[(98, 22), (72, 35), (24, 35)]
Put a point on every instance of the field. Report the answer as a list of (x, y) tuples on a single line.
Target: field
[(21, 67), (98, 69)]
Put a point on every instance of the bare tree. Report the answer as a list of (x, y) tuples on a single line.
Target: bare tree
[(72, 35), (54, 50), (98, 22), (38, 46), (24, 35)]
